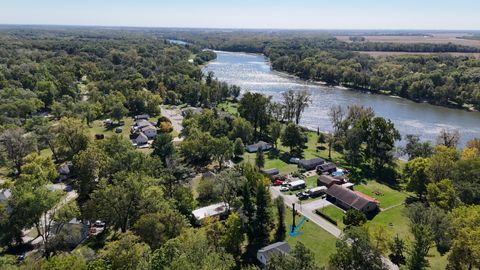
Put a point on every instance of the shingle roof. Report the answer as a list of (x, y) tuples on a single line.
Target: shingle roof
[(326, 166), (349, 197), (274, 249), (312, 161), (327, 180)]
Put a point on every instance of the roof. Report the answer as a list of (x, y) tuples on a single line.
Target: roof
[(211, 210), (350, 197), (142, 123), (315, 189), (142, 116), (260, 144), (5, 194), (328, 180), (272, 171), (143, 129), (139, 135), (274, 249), (312, 161), (326, 166), (297, 183)]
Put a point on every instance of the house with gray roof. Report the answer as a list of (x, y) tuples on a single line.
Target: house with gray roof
[(266, 253), (310, 164), (261, 145)]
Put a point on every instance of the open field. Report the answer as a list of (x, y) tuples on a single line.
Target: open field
[(377, 54), (434, 39)]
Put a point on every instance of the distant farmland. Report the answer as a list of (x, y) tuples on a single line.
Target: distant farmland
[(377, 54), (435, 39)]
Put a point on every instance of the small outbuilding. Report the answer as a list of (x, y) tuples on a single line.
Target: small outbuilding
[(261, 145), (328, 181), (266, 253), (272, 173), (310, 164), (326, 168)]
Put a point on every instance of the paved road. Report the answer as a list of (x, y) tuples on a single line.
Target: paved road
[(308, 209)]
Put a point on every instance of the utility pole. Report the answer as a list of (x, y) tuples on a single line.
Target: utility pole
[(293, 213)]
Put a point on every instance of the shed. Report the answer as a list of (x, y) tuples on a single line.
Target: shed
[(272, 173), (261, 145), (326, 168), (348, 199), (328, 181), (266, 253), (310, 164)]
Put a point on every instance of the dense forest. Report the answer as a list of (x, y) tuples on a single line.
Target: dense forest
[(437, 78)]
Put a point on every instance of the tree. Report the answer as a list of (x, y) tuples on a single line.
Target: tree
[(157, 228), (293, 137), (275, 131), (300, 258), (380, 237), (263, 217), (442, 194), (420, 248), (397, 248), (414, 148), (72, 137), (90, 165), (302, 100), (233, 237), (238, 148), (228, 184), (222, 150), (380, 137), (448, 138), (281, 230), (337, 115), (163, 146), (190, 250), (17, 145), (466, 180), (354, 218), (118, 111), (260, 159), (64, 261), (354, 251), (465, 253), (253, 107), (242, 129), (441, 163), (415, 174), (128, 252)]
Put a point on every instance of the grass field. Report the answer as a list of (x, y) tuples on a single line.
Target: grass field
[(387, 196), (334, 213), (313, 237)]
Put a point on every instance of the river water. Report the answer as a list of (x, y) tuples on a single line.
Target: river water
[(252, 72)]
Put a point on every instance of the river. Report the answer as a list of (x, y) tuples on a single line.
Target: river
[(253, 73)]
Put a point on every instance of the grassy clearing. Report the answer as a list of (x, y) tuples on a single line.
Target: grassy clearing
[(313, 237)]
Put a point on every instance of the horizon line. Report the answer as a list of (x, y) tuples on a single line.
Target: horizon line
[(237, 28)]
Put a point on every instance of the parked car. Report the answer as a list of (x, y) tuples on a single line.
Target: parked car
[(284, 188), (278, 182), (302, 195), (294, 160)]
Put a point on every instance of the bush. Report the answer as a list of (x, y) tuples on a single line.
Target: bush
[(165, 127)]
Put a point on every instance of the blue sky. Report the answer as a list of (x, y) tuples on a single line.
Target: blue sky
[(292, 14)]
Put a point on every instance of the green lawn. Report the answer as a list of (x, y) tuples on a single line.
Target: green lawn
[(387, 196), (313, 237), (334, 213)]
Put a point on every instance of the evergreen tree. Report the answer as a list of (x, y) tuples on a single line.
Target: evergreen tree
[(260, 159), (281, 229), (397, 248)]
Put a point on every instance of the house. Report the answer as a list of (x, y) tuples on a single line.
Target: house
[(261, 145), (326, 168), (272, 173), (149, 131), (139, 138), (310, 164), (214, 210), (347, 199), (142, 117), (266, 253), (328, 181)]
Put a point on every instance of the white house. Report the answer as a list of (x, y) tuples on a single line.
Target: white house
[(213, 210), (266, 253)]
